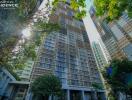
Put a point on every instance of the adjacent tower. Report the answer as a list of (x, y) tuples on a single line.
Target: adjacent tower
[(98, 53), (116, 35)]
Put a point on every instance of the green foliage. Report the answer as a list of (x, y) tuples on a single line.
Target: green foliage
[(56, 2), (16, 59), (25, 7), (38, 39), (80, 14), (11, 59), (77, 5), (120, 68), (41, 26), (101, 6), (29, 51), (120, 71), (97, 86), (111, 97), (46, 85), (32, 5), (14, 74), (7, 44), (74, 5), (112, 8), (17, 62)]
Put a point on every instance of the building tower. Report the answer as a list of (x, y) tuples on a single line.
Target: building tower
[(122, 30), (68, 55), (116, 35), (99, 56), (105, 51)]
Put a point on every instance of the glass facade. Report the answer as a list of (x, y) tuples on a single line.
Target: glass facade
[(99, 56), (128, 51)]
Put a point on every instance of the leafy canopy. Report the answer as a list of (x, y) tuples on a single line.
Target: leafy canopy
[(98, 85), (23, 15), (77, 5), (46, 85), (113, 8), (119, 74)]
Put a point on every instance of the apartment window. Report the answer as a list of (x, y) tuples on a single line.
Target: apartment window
[(21, 90), (70, 13), (60, 74), (62, 21), (20, 95), (45, 65), (74, 76), (63, 81)]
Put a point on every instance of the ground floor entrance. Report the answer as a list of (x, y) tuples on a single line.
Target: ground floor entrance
[(68, 94), (82, 95)]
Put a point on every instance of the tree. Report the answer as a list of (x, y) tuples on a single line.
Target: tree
[(98, 86), (15, 59), (22, 16), (119, 76), (7, 44), (45, 86), (77, 5), (113, 8)]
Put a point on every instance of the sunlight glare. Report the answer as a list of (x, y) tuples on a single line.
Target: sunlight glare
[(26, 32)]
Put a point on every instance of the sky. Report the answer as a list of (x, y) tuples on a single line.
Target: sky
[(90, 27)]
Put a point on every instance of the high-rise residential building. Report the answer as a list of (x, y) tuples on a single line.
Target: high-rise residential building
[(5, 78), (100, 32), (68, 55), (25, 73), (99, 56), (122, 30), (105, 51), (10, 88), (116, 35), (110, 42)]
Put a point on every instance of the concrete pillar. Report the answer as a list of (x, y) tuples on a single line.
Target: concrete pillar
[(29, 95), (103, 96), (68, 94), (121, 96), (94, 95), (49, 97), (5, 84), (83, 95)]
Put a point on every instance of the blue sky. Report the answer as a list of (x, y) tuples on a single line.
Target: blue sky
[(89, 3)]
